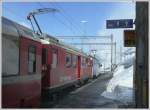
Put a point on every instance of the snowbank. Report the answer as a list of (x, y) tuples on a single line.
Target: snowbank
[(120, 93), (120, 87)]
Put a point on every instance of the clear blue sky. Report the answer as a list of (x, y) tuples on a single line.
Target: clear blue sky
[(70, 14), (68, 20)]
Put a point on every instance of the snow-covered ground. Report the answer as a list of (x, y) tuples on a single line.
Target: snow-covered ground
[(120, 87)]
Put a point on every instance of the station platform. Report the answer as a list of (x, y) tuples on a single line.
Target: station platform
[(89, 96)]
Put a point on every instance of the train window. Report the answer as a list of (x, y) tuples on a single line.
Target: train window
[(74, 59), (10, 49), (91, 62), (44, 56), (10, 55), (68, 60), (32, 59), (54, 60), (83, 62), (88, 62)]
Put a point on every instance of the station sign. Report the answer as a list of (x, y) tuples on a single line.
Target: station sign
[(122, 23), (129, 38)]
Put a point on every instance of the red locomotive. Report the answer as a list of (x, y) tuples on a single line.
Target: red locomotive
[(61, 65), (31, 65)]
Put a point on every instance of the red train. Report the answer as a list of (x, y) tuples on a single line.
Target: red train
[(31, 65)]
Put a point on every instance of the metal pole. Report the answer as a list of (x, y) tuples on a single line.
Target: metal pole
[(111, 51), (84, 31), (104, 67), (120, 54), (115, 52), (142, 55)]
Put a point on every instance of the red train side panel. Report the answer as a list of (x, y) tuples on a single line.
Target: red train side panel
[(59, 74), (20, 86)]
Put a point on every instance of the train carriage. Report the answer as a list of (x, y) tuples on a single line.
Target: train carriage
[(31, 66), (63, 66), (85, 68), (21, 63)]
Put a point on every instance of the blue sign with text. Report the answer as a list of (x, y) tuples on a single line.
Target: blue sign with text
[(122, 23)]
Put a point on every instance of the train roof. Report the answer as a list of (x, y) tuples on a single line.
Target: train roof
[(8, 29), (69, 48), (8, 25)]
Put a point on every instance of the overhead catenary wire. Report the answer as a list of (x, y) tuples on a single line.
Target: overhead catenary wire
[(22, 17), (59, 20), (69, 19), (81, 37), (85, 43), (66, 18)]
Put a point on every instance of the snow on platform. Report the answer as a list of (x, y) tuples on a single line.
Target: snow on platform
[(120, 87)]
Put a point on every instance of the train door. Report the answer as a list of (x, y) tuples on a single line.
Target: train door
[(45, 67), (49, 66), (55, 74)]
